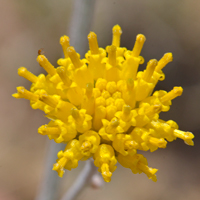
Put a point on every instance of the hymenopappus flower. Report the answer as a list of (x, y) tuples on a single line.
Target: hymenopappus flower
[(102, 107)]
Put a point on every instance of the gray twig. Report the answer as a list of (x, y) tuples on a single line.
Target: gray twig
[(50, 185), (84, 178), (80, 24), (81, 21)]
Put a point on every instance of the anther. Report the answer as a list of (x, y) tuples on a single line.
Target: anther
[(140, 39), (74, 57), (75, 113), (49, 68), (177, 91), (150, 172), (86, 146), (111, 55), (105, 171), (64, 41), (114, 122), (22, 71), (130, 144), (93, 43), (151, 65), (23, 93), (44, 97), (126, 110), (183, 135), (59, 166), (89, 89), (117, 31), (45, 130), (168, 57), (161, 143), (63, 75), (100, 113), (130, 84), (153, 109)]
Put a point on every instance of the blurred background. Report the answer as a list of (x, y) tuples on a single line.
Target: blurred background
[(169, 26)]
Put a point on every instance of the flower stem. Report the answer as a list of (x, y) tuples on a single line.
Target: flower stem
[(80, 24), (81, 21), (84, 178), (50, 185)]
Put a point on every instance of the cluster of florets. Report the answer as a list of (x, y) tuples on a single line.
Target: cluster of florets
[(102, 107)]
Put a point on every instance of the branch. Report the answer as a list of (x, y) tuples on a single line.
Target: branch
[(83, 180), (48, 190), (81, 21), (80, 24)]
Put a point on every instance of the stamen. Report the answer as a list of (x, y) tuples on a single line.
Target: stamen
[(117, 31), (23, 93), (111, 55), (126, 110), (74, 57), (44, 97), (100, 113), (63, 75), (161, 143), (49, 68), (114, 123), (151, 65), (64, 41), (45, 130), (168, 57), (177, 91), (93, 43), (153, 109), (150, 172), (183, 135), (106, 172), (59, 166), (130, 84), (22, 71), (89, 89), (75, 113), (140, 39), (86, 146), (130, 144)]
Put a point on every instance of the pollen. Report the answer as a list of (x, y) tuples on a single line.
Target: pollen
[(103, 107)]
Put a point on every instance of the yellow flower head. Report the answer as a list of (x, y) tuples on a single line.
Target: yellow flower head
[(102, 107)]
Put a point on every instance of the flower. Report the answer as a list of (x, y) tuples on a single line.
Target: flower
[(102, 107)]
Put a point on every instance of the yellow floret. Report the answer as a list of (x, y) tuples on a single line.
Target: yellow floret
[(105, 160), (64, 41), (89, 142), (59, 131), (138, 164), (68, 158)]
